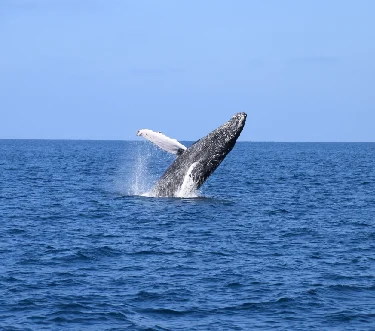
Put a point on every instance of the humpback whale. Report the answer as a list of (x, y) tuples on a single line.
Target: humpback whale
[(195, 164)]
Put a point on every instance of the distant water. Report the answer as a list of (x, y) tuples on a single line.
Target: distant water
[(281, 237)]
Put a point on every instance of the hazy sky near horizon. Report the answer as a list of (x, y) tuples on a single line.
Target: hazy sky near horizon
[(90, 69)]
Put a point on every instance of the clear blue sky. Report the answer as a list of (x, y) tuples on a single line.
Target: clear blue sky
[(86, 69)]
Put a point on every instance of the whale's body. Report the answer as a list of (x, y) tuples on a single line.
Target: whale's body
[(191, 169)]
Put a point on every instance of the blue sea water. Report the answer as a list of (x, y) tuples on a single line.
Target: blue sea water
[(282, 236)]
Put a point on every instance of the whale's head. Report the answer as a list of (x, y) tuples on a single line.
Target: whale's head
[(233, 128), (211, 150)]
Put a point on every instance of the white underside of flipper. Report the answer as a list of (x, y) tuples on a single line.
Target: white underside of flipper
[(165, 143)]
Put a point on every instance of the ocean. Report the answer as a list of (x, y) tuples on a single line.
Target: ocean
[(281, 237)]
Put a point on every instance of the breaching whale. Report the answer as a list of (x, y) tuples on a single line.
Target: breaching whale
[(195, 164)]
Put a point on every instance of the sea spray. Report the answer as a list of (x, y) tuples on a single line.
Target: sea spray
[(147, 164), (136, 179)]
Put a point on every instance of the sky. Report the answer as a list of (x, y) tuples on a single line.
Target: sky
[(90, 69)]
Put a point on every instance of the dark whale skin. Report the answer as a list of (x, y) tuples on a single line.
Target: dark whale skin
[(202, 158)]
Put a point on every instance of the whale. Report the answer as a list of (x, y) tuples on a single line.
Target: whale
[(195, 164)]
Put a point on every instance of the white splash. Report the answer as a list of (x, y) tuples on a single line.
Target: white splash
[(134, 177), (188, 187), (139, 181)]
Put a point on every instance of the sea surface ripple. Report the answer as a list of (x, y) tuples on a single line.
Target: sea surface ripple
[(282, 237)]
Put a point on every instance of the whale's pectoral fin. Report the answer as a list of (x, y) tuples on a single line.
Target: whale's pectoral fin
[(165, 143)]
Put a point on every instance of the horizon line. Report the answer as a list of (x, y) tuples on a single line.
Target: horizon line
[(140, 140)]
